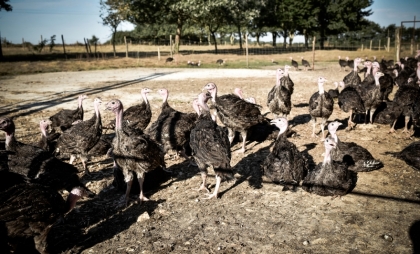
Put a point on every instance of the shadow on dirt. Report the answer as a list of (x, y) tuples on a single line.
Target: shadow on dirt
[(24, 108)]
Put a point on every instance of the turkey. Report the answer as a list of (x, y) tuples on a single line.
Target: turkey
[(356, 157), (211, 148), (321, 105), (137, 116), (410, 154), (353, 79), (37, 164), (48, 140), (405, 98), (342, 63), (27, 212), (286, 81), (371, 96), (169, 60), (305, 64), (285, 164), (172, 130), (350, 101), (294, 64), (78, 140), (64, 118), (235, 113), (350, 63), (133, 151), (274, 62), (220, 61), (386, 83), (279, 98), (330, 178), (334, 92)]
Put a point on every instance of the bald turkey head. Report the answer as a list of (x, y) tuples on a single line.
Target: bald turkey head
[(114, 105)]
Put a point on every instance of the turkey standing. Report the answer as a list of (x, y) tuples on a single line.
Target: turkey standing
[(386, 83), (133, 151), (371, 96), (350, 63), (405, 98), (285, 164), (353, 79), (349, 101), (330, 178), (27, 213), (64, 118), (342, 63), (294, 64), (356, 157), (37, 164), (410, 154), (279, 98), (235, 113), (321, 105), (48, 141), (211, 148), (82, 137), (305, 64), (220, 61), (137, 116)]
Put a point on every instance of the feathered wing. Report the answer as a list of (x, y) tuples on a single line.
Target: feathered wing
[(321, 105)]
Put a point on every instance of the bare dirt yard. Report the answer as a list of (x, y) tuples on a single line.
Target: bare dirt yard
[(252, 215)]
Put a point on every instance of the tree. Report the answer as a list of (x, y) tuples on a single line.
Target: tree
[(94, 40), (111, 17), (7, 7), (52, 42)]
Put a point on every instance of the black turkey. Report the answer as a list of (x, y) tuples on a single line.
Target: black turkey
[(330, 178), (350, 63), (353, 79), (305, 64), (169, 60), (334, 92), (350, 101), (386, 83), (279, 98), (358, 158), (285, 165), (48, 140), (235, 113), (133, 151), (220, 61), (342, 63), (27, 212), (286, 81), (211, 147), (64, 118), (37, 164), (294, 64), (410, 154), (371, 96), (405, 98), (78, 140), (321, 105), (137, 116)]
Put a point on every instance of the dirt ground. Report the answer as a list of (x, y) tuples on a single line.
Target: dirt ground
[(252, 215)]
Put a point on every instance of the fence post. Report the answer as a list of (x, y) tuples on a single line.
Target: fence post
[(313, 53), (246, 46), (126, 47), (370, 48), (397, 44), (389, 44), (362, 47), (170, 43), (23, 43), (64, 47), (158, 54), (379, 45)]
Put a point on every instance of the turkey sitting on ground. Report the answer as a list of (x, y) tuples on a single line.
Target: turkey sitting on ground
[(220, 61), (410, 154), (330, 178), (279, 98), (133, 151), (211, 148), (305, 64), (137, 116), (64, 118), (342, 63), (78, 140), (356, 157), (285, 165), (48, 140), (27, 212), (321, 105), (235, 113), (37, 164), (169, 60), (294, 64), (350, 101)]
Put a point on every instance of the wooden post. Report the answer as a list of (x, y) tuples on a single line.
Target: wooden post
[(313, 53), (64, 47), (126, 47), (170, 42), (246, 47), (379, 48), (397, 44), (158, 54), (86, 46), (362, 47), (370, 48), (389, 43), (23, 43)]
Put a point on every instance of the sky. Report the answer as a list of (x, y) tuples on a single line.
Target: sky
[(78, 19)]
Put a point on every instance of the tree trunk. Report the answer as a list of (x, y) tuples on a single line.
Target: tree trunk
[(274, 34), (114, 32), (240, 37), (257, 37), (178, 36), (213, 35), (284, 39), (322, 35), (305, 34), (1, 50)]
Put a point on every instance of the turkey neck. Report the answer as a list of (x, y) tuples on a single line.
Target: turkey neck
[(80, 101), (321, 87), (98, 114), (282, 131), (10, 138), (286, 72), (279, 76), (119, 118), (213, 93), (377, 80), (144, 95), (327, 157)]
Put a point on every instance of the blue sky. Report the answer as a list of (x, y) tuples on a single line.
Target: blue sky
[(78, 19)]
